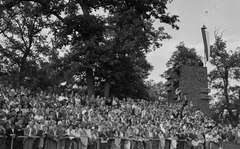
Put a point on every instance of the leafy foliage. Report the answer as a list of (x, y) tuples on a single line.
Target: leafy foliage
[(25, 46), (182, 55), (226, 68), (156, 90)]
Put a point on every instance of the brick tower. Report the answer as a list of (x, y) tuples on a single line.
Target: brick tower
[(192, 82)]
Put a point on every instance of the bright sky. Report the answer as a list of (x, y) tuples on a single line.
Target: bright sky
[(223, 14)]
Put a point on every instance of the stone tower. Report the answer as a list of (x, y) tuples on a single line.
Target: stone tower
[(192, 82)]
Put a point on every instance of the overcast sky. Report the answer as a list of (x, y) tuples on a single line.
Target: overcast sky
[(224, 14)]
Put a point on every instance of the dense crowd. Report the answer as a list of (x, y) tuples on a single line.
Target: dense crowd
[(97, 117)]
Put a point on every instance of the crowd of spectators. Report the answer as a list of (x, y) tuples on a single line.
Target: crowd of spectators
[(98, 117)]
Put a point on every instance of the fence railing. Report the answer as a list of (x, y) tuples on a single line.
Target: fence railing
[(68, 142)]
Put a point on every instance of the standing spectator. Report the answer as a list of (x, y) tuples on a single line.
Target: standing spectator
[(237, 136), (26, 119), (29, 132), (11, 134), (77, 99), (25, 108), (19, 132)]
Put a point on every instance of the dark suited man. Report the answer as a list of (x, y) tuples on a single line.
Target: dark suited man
[(11, 134), (58, 115), (20, 132)]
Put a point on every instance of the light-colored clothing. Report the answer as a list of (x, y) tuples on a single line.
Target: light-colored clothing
[(237, 137)]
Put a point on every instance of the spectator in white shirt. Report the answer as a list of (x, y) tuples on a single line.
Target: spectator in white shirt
[(61, 97), (38, 117)]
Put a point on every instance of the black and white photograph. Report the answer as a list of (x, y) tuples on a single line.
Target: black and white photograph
[(119, 74)]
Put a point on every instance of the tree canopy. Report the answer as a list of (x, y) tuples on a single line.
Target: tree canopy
[(183, 55), (102, 51), (226, 70), (24, 47)]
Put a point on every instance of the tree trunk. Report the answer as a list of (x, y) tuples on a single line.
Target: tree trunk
[(107, 88), (22, 72), (90, 82), (89, 71), (226, 83), (228, 105), (84, 7)]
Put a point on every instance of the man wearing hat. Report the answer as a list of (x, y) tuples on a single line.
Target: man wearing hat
[(11, 134)]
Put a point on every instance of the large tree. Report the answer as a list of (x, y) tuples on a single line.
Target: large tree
[(131, 35), (123, 60), (183, 55), (226, 68), (24, 46), (76, 25)]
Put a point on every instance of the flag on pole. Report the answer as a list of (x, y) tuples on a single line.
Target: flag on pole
[(206, 43)]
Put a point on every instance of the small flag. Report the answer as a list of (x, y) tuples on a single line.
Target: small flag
[(206, 43)]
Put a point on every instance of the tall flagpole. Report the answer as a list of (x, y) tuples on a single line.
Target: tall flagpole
[(206, 43), (203, 29)]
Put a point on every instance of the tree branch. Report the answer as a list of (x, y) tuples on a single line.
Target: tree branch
[(11, 4), (21, 31), (83, 6), (7, 23)]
